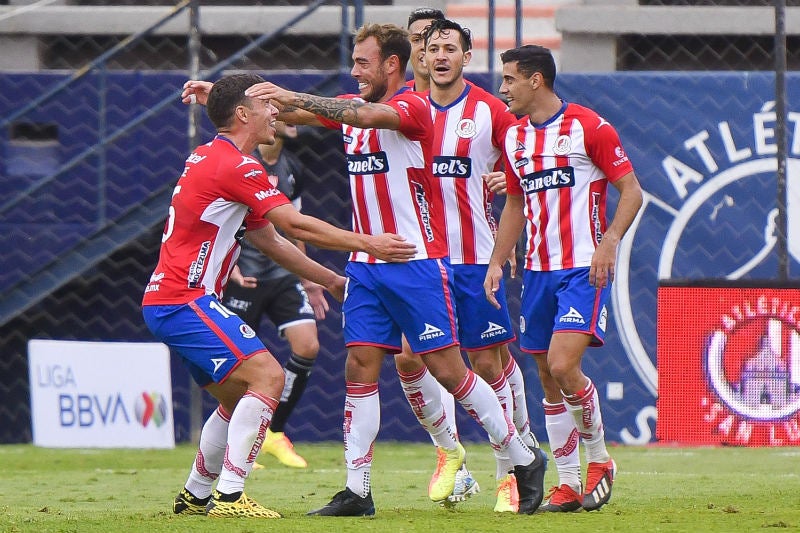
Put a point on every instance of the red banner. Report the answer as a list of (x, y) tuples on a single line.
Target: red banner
[(728, 365)]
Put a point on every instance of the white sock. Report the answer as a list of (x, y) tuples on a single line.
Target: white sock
[(478, 398), (424, 394), (585, 409), (521, 418), (210, 452), (246, 432), (564, 442), (362, 419), (502, 390)]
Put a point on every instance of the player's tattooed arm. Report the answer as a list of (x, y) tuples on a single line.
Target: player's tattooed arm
[(348, 111), (338, 109)]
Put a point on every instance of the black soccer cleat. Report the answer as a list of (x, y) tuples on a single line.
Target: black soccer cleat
[(187, 503), (346, 503), (530, 483)]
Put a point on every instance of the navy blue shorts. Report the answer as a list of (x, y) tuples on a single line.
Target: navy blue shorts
[(384, 301), (480, 324), (211, 339), (561, 300)]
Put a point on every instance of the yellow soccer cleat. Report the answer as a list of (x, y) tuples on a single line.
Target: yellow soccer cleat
[(279, 445), (443, 481), (507, 495), (244, 507)]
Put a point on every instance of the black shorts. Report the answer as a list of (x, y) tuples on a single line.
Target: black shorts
[(283, 300)]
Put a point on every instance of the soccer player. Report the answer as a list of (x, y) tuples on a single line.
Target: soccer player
[(419, 386), (389, 138), (468, 128), (560, 158), (293, 305), (222, 186), (418, 21)]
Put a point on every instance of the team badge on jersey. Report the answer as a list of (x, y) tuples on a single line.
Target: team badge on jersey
[(246, 331), (466, 128), (563, 145)]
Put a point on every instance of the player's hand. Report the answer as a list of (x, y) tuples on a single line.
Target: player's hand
[(496, 181), (336, 288), (316, 298), (269, 91), (248, 282), (196, 92), (491, 284), (391, 247), (601, 270)]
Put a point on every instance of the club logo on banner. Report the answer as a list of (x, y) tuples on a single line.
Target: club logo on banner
[(729, 358)]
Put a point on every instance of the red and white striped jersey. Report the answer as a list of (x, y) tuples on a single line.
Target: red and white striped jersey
[(563, 168), (390, 178), (219, 186), (468, 137)]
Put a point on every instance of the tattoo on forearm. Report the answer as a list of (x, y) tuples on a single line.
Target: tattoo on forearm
[(338, 109)]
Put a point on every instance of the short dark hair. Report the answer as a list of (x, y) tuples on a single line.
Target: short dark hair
[(446, 25), (424, 13), (533, 58), (392, 40), (226, 95)]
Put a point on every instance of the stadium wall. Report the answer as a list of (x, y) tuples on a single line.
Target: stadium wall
[(703, 145)]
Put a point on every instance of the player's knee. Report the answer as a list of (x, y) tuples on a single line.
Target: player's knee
[(307, 349), (561, 371), (408, 363), (263, 373)]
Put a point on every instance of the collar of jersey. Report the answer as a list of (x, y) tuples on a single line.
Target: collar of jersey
[(551, 119), (223, 138), (454, 102), (403, 89)]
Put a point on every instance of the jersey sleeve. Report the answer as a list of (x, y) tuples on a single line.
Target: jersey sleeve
[(415, 115), (502, 119), (253, 222), (605, 149), (512, 180), (247, 183)]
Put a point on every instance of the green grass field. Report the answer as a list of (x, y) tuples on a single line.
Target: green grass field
[(657, 489)]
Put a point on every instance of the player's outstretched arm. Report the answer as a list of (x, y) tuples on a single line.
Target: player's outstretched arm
[(197, 91), (286, 254), (345, 110), (386, 246)]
